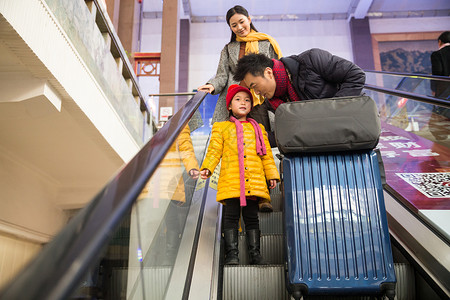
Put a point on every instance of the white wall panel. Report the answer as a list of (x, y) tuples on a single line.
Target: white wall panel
[(294, 37), (28, 200), (151, 35), (409, 25), (14, 255)]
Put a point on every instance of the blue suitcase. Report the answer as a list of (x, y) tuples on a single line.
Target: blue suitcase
[(337, 240)]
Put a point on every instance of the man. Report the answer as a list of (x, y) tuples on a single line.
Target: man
[(440, 65), (313, 74)]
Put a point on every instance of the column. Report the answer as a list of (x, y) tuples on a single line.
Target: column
[(169, 52), (129, 22), (362, 43)]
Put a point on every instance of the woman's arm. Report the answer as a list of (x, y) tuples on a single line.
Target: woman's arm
[(272, 53), (208, 88), (219, 82)]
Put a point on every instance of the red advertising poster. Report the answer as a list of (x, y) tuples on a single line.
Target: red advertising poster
[(416, 168)]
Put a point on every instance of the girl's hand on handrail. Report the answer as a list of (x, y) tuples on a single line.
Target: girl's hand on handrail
[(205, 173)]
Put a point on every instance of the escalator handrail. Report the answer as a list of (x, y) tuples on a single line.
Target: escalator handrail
[(419, 75), (59, 268), (413, 96)]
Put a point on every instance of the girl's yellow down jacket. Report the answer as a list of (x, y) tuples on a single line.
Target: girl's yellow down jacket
[(258, 169)]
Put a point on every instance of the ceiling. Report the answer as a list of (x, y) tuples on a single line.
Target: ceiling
[(215, 10)]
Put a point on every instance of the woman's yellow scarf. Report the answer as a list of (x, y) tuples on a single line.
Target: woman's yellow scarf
[(252, 42), (251, 46)]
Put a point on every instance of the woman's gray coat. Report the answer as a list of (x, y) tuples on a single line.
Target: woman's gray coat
[(224, 75)]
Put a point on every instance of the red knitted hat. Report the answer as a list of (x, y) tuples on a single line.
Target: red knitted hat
[(233, 90)]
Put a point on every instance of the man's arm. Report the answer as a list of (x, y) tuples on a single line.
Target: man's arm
[(436, 69), (436, 64)]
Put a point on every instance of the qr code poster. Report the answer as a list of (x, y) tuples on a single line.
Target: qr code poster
[(432, 185)]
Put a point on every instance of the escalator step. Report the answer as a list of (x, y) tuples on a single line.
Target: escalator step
[(269, 223), (268, 282), (405, 289), (254, 282), (271, 249), (276, 198), (155, 281)]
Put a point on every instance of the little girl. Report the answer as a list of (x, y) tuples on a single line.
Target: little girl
[(247, 163)]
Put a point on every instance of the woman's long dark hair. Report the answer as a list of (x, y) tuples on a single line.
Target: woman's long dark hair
[(237, 10)]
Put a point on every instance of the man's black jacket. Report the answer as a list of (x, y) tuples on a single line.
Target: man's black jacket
[(317, 74)]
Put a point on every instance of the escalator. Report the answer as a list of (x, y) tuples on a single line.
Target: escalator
[(121, 246), (421, 265)]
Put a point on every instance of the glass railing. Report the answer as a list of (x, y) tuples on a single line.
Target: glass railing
[(415, 143), (136, 237), (418, 84), (424, 114), (140, 260)]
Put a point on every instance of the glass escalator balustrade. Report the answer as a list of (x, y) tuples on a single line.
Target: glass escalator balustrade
[(415, 145), (139, 261)]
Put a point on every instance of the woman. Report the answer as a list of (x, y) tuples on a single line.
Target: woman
[(244, 39)]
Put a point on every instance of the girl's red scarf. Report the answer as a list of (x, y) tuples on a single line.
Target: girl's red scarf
[(284, 85), (260, 150)]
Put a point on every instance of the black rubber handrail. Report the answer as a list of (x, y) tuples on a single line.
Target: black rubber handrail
[(59, 268), (419, 75), (421, 98)]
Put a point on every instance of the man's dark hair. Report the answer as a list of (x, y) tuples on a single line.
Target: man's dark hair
[(444, 37), (254, 64)]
